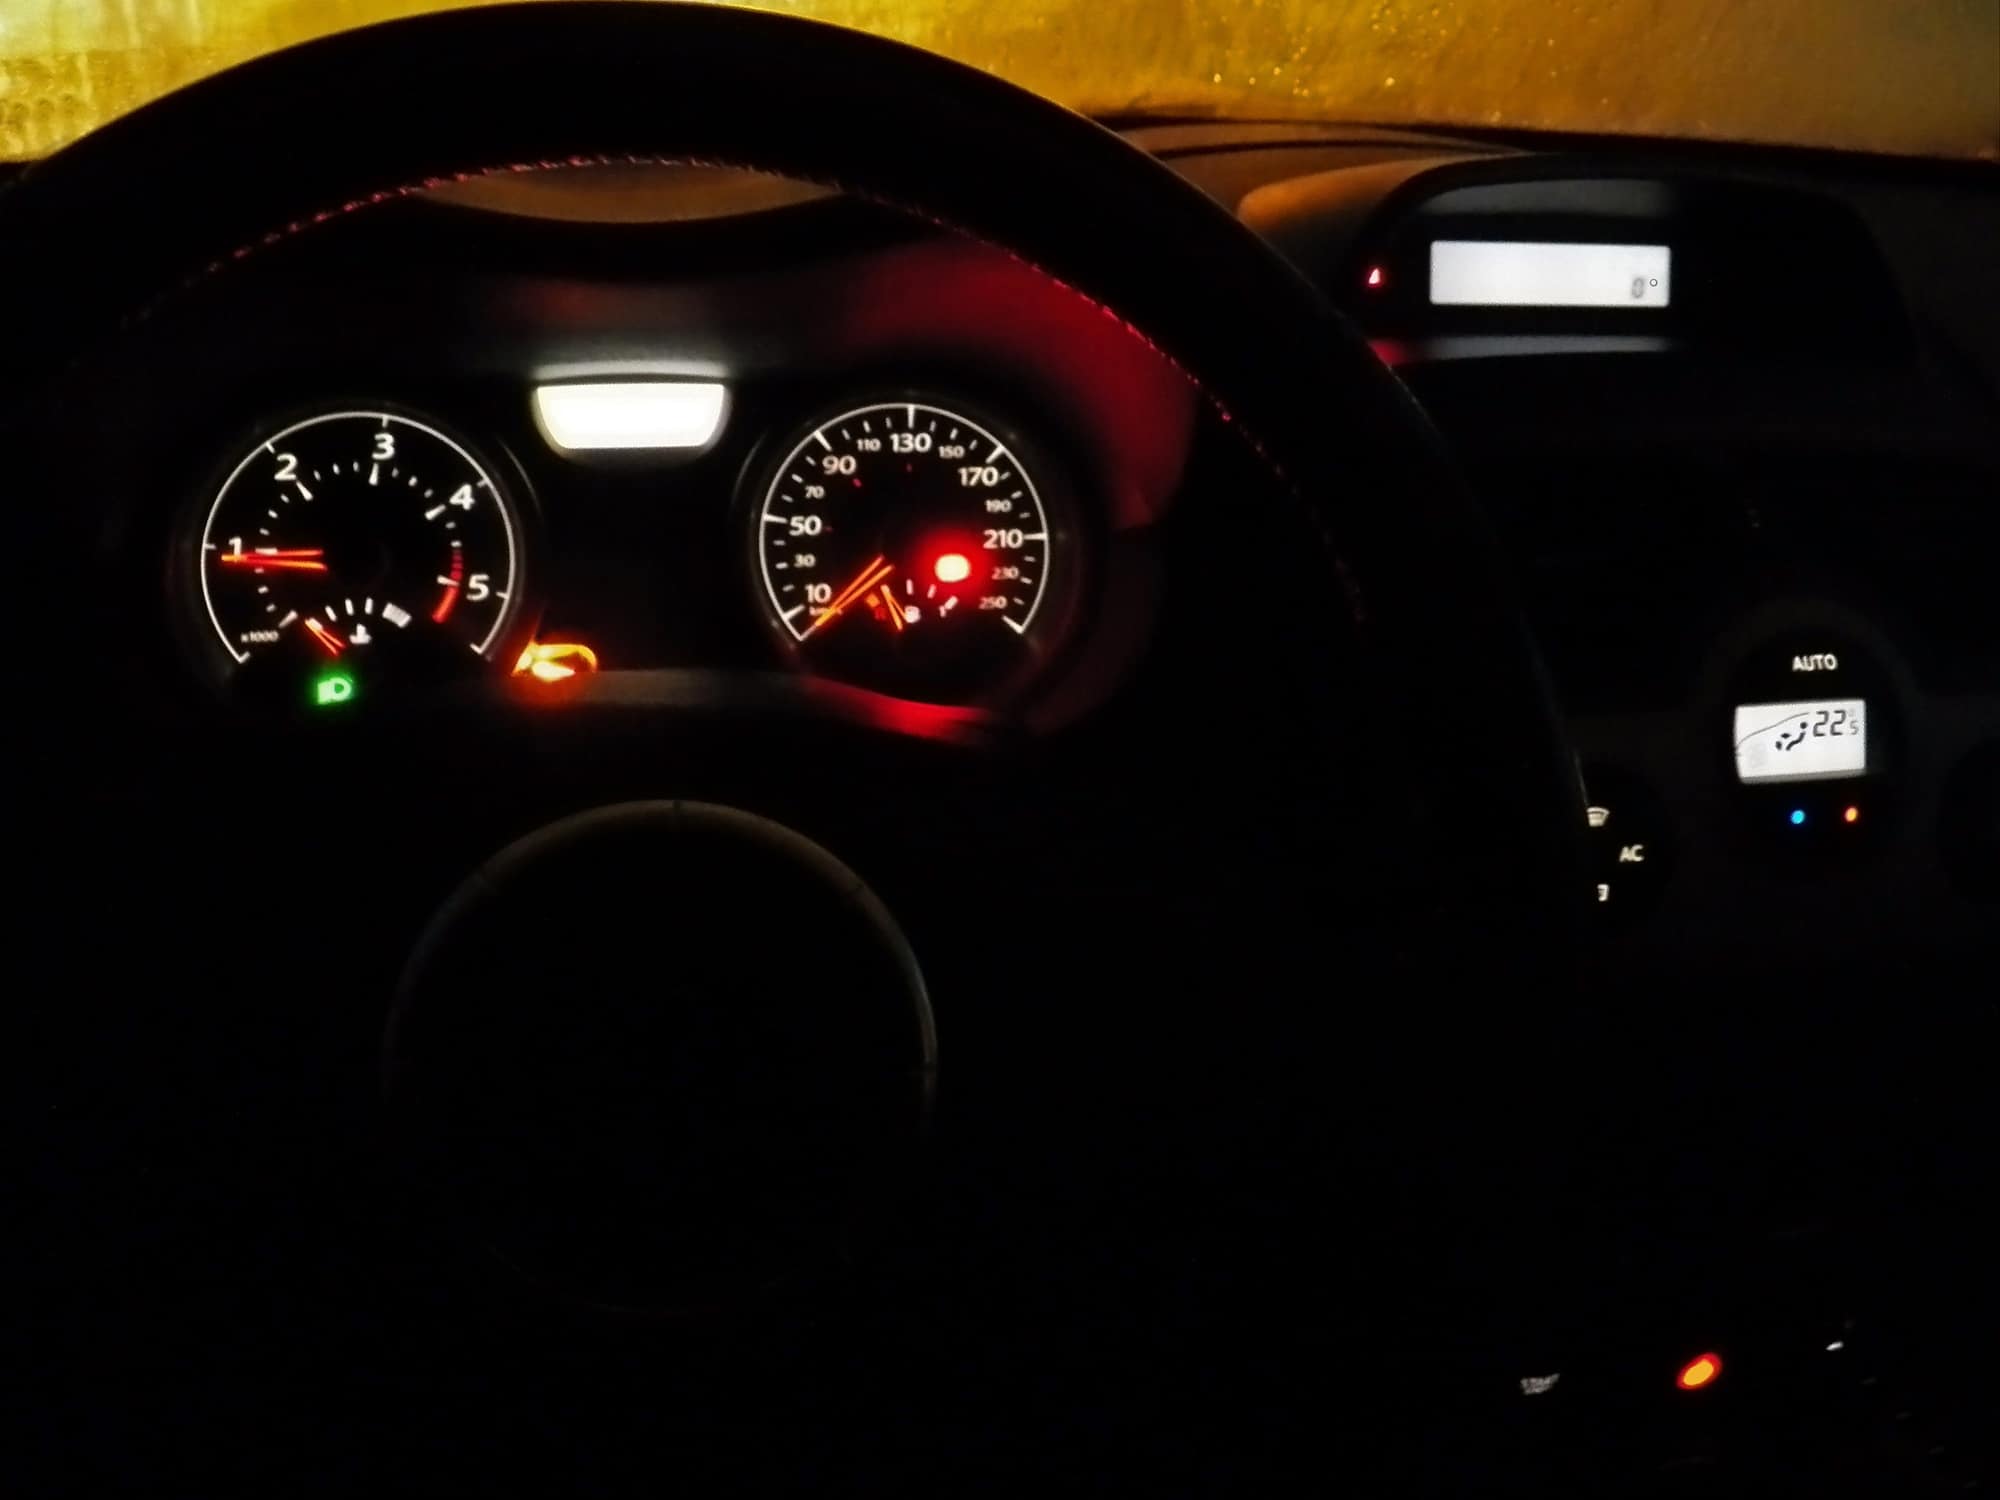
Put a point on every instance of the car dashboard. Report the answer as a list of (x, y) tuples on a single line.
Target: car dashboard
[(1749, 502), (1764, 496), (1733, 415), (581, 427)]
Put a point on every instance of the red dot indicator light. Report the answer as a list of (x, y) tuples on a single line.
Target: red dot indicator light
[(1852, 815), (952, 567), (1699, 1372), (1375, 277)]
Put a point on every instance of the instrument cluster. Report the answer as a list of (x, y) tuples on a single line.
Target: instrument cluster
[(646, 449), (908, 541)]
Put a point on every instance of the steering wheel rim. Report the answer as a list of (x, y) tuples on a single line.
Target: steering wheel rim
[(211, 170)]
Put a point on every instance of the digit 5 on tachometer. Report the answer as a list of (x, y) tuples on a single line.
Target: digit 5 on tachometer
[(905, 546)]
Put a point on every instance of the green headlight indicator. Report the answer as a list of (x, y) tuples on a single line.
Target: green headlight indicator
[(333, 687)]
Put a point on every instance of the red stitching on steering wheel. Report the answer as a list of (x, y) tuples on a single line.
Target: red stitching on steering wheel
[(431, 184)]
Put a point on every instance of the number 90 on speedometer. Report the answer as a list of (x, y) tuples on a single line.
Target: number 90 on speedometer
[(905, 546)]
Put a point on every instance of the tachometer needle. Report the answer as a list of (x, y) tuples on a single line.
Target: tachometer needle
[(292, 559), (871, 575), (333, 643)]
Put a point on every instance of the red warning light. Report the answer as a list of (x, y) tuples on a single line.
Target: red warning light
[(1699, 1372), (952, 567), (1375, 276)]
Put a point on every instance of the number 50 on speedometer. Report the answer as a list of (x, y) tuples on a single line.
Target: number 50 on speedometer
[(905, 546)]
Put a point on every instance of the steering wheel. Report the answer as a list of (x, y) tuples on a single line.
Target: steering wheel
[(1296, 900)]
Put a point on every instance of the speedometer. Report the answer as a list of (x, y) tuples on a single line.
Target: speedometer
[(906, 546)]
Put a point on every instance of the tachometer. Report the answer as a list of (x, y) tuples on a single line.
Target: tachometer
[(358, 536), (905, 546)]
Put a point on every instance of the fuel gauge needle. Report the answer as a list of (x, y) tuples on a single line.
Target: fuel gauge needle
[(333, 643)]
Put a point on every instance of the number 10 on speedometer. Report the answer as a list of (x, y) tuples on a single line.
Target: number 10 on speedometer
[(904, 546)]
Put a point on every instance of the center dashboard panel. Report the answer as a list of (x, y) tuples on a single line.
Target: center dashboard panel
[(1748, 488), (494, 444), (618, 436)]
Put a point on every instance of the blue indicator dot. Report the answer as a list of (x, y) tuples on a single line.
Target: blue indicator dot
[(1798, 816)]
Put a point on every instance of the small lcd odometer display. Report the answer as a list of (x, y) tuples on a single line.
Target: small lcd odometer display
[(1820, 741), (1543, 273)]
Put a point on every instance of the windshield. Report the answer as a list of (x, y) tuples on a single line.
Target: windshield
[(1907, 76)]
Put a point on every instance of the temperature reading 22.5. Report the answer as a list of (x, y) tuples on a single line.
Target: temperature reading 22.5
[(359, 536), (1821, 741), (904, 546)]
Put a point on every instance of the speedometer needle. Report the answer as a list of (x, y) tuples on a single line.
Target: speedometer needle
[(871, 575), (294, 559)]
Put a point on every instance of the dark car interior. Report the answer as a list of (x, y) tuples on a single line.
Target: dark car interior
[(900, 790)]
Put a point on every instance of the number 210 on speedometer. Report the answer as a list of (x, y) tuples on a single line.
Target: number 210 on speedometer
[(904, 546)]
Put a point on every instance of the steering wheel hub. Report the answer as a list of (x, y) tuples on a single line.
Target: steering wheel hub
[(663, 1055)]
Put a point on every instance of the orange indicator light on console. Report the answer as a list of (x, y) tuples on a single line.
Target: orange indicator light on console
[(1699, 1372), (555, 661), (1852, 815)]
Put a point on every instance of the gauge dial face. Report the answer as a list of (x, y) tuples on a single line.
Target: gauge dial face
[(905, 547), (359, 536)]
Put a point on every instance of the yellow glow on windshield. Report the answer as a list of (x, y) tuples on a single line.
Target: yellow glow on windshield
[(1915, 76)]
